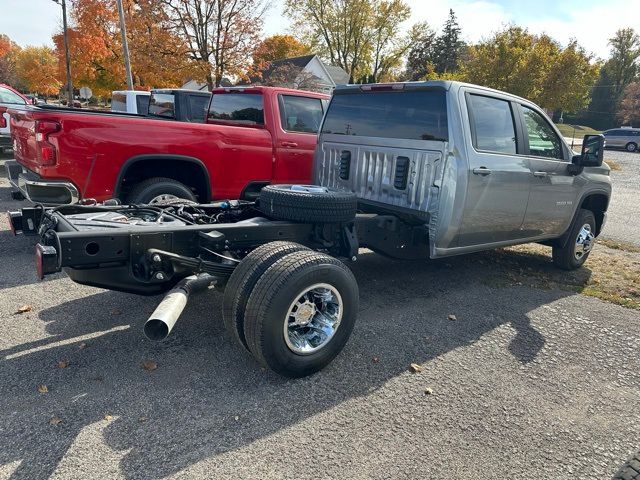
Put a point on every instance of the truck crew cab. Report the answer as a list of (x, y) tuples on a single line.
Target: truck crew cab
[(410, 170)]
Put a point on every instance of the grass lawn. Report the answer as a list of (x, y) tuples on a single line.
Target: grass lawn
[(580, 131)]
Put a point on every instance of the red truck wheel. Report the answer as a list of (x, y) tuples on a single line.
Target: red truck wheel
[(159, 190)]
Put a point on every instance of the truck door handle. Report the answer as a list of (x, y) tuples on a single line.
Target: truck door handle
[(481, 171), (289, 144), (540, 174)]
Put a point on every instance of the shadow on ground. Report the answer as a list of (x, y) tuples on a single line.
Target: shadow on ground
[(186, 409)]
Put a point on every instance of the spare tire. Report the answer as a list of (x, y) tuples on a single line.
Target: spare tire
[(307, 203)]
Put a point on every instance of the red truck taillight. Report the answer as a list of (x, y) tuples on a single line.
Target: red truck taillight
[(46, 151), (3, 120)]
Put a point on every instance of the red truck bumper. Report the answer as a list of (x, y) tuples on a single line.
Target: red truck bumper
[(38, 190)]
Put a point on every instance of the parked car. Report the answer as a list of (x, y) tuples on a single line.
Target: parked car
[(130, 101), (252, 137), (9, 97), (408, 170), (627, 138)]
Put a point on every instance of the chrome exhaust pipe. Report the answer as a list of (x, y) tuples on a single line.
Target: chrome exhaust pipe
[(164, 317)]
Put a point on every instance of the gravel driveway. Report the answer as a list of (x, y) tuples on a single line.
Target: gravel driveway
[(526, 383), (623, 218)]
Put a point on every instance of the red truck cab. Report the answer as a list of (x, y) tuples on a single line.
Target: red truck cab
[(253, 136)]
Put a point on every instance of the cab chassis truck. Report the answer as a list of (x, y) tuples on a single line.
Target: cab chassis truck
[(289, 298)]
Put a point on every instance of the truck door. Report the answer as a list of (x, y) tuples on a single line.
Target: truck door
[(553, 189), (296, 132), (498, 179)]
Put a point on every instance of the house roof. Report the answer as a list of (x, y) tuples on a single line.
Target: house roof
[(337, 74), (300, 62)]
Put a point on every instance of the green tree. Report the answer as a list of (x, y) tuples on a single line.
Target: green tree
[(448, 46), (361, 36), (623, 64), (534, 67), (420, 61)]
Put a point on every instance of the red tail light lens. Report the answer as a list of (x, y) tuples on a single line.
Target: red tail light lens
[(46, 150), (3, 120), (46, 260)]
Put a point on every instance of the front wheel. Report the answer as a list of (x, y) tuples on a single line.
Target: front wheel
[(631, 147), (300, 313), (580, 242)]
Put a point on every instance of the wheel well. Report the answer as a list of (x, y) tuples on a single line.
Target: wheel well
[(597, 203), (189, 172)]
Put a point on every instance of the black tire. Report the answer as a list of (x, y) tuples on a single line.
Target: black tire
[(630, 470), (306, 203), (243, 280), (631, 147), (152, 188), (268, 308), (565, 257)]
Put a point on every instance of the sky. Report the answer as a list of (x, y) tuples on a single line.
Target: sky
[(591, 22)]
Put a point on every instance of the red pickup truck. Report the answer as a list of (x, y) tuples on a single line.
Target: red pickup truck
[(252, 137)]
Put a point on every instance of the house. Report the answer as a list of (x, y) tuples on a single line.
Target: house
[(307, 72)]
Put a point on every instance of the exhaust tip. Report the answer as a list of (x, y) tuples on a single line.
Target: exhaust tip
[(156, 330)]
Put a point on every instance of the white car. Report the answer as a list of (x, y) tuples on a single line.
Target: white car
[(9, 98), (130, 101)]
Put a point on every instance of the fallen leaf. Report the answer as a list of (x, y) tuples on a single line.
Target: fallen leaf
[(376, 360), (63, 363), (149, 365), (453, 318), (82, 346), (43, 389), (236, 418), (23, 309), (415, 368), (142, 419), (428, 391), (108, 417), (55, 420)]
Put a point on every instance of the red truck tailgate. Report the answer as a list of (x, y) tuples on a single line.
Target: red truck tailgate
[(24, 136)]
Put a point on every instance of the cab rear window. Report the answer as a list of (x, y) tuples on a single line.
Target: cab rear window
[(237, 108), (162, 105), (411, 115)]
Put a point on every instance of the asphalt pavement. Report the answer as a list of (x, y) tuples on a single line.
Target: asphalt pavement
[(525, 383)]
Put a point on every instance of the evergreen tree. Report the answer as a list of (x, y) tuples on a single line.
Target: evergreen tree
[(448, 46)]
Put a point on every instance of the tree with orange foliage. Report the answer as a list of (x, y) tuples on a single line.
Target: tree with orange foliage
[(8, 52), (220, 34), (38, 69), (158, 56), (275, 47)]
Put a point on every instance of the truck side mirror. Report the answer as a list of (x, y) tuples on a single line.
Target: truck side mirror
[(592, 151)]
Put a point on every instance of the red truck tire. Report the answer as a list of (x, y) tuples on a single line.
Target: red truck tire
[(159, 189)]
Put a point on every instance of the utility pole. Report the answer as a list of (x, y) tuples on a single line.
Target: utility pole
[(63, 3), (125, 45)]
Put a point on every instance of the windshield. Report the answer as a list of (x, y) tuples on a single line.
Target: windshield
[(7, 96), (408, 114)]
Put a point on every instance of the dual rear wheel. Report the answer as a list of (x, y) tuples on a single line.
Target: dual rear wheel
[(292, 308)]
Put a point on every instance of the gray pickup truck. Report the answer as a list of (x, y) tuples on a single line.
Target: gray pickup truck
[(409, 170)]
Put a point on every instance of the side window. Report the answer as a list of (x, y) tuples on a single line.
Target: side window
[(300, 114), (162, 105), (142, 104), (543, 141), (197, 107), (493, 125), (237, 108)]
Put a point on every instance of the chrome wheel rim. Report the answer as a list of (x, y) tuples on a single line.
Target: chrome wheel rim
[(584, 242), (313, 319), (165, 197)]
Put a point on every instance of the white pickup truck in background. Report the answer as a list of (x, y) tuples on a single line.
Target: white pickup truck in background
[(130, 101)]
